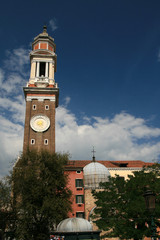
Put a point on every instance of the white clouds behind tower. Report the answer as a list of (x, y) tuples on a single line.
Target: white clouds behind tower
[(120, 137)]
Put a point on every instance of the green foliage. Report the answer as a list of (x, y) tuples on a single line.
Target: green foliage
[(40, 194), (121, 210), (6, 209)]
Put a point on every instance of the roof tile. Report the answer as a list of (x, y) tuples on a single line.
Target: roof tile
[(109, 164)]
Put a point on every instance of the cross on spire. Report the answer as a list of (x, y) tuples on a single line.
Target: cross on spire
[(44, 28), (93, 157)]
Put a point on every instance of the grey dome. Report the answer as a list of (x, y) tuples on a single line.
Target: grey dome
[(74, 225), (94, 173)]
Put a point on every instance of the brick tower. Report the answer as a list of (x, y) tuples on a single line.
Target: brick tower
[(41, 95)]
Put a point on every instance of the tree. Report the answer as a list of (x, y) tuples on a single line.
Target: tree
[(40, 194), (6, 210), (121, 210)]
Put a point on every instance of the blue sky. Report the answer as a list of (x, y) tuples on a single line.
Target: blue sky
[(108, 72)]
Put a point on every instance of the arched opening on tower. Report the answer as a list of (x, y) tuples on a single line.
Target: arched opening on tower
[(42, 69)]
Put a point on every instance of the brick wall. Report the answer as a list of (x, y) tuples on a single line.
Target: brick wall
[(39, 136)]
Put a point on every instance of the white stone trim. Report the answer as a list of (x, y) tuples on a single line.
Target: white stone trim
[(34, 107), (47, 107), (36, 54), (32, 80), (125, 169), (51, 80), (42, 60), (45, 141), (41, 98), (33, 141)]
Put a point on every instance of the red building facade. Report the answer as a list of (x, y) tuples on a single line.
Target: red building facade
[(82, 203)]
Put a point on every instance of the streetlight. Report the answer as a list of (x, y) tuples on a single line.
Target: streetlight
[(150, 205)]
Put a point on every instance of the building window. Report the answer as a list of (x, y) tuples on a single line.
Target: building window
[(32, 141), (46, 107), (79, 199), (80, 214), (45, 141), (34, 107), (79, 183), (78, 172)]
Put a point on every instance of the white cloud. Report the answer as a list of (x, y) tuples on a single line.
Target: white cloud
[(114, 139), (53, 24), (1, 76), (14, 75), (17, 59), (11, 132), (15, 72), (159, 55), (15, 108), (13, 83), (122, 137), (67, 100), (11, 137)]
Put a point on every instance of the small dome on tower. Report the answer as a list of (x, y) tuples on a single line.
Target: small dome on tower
[(74, 225), (94, 173)]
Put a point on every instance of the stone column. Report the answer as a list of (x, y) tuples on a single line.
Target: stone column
[(46, 70), (51, 71), (33, 70), (37, 72)]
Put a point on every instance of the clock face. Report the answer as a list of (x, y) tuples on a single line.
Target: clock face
[(40, 123)]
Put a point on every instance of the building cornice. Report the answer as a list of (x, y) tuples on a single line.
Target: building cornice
[(126, 169), (67, 168)]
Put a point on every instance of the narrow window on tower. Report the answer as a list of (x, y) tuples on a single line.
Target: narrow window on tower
[(42, 69), (46, 107), (32, 141), (45, 141), (34, 107)]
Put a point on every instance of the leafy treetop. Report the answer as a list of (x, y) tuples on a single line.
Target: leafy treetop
[(121, 210), (41, 197)]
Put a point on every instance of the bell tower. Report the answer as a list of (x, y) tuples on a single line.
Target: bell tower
[(41, 95)]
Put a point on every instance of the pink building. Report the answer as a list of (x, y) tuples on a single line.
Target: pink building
[(82, 200)]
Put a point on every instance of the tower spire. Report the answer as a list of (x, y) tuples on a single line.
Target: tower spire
[(93, 157)]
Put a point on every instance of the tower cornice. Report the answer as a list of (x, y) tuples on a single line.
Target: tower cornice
[(35, 92)]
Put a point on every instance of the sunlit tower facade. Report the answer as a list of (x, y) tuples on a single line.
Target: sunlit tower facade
[(41, 95)]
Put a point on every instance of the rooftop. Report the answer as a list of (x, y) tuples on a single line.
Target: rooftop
[(109, 164)]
